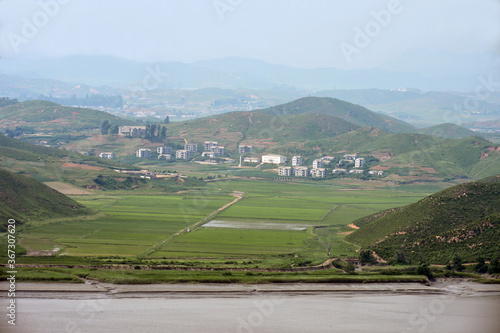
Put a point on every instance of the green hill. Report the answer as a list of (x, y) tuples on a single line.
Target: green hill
[(260, 129), (26, 199), (352, 113), (44, 116), (51, 164), (411, 155), (449, 131), (463, 220)]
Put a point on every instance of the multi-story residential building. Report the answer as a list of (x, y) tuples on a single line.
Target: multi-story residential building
[(301, 171), (359, 162), (274, 159), (132, 130), (251, 160), (318, 173), (107, 155), (297, 161), (217, 150), (164, 150), (193, 147), (244, 149), (285, 171), (210, 144), (166, 157), (143, 153), (183, 154), (317, 164)]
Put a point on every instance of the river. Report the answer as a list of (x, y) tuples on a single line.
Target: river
[(268, 308)]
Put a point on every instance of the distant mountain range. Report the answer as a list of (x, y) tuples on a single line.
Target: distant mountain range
[(246, 73)]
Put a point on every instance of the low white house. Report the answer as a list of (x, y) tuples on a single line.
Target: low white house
[(107, 155), (339, 171), (376, 172), (356, 171), (251, 160), (166, 157), (274, 159)]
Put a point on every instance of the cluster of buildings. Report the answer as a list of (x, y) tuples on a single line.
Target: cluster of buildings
[(298, 170)]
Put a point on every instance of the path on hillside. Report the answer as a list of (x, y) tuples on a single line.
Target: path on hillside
[(239, 195)]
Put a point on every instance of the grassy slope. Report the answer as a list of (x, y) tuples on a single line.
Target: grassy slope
[(260, 129), (23, 151), (23, 198), (463, 220), (52, 117), (448, 157), (353, 113)]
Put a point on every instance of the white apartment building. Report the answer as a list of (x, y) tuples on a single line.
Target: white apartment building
[(209, 144), (244, 149), (143, 153), (301, 171), (217, 150), (318, 173), (191, 147), (285, 171), (164, 150), (359, 162), (297, 161), (183, 154), (274, 159), (317, 164)]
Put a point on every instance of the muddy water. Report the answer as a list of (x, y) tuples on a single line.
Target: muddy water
[(260, 312)]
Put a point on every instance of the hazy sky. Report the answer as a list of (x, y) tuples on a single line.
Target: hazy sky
[(300, 33)]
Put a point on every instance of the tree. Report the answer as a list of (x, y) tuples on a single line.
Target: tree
[(163, 133), (167, 120), (457, 264), (114, 129), (366, 257), (424, 269), (481, 266), (105, 125), (494, 267)]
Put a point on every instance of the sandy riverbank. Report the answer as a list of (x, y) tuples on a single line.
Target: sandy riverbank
[(93, 289)]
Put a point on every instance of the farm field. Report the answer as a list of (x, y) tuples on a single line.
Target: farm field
[(272, 220), (320, 212), (128, 225)]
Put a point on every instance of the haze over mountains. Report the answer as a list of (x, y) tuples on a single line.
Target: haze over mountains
[(417, 69)]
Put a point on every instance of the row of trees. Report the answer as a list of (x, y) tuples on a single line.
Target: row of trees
[(154, 132)]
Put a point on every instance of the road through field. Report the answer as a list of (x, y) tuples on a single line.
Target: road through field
[(238, 196)]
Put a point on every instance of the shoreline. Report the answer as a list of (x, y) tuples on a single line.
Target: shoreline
[(94, 289)]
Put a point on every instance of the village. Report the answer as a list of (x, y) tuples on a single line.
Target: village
[(213, 153)]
